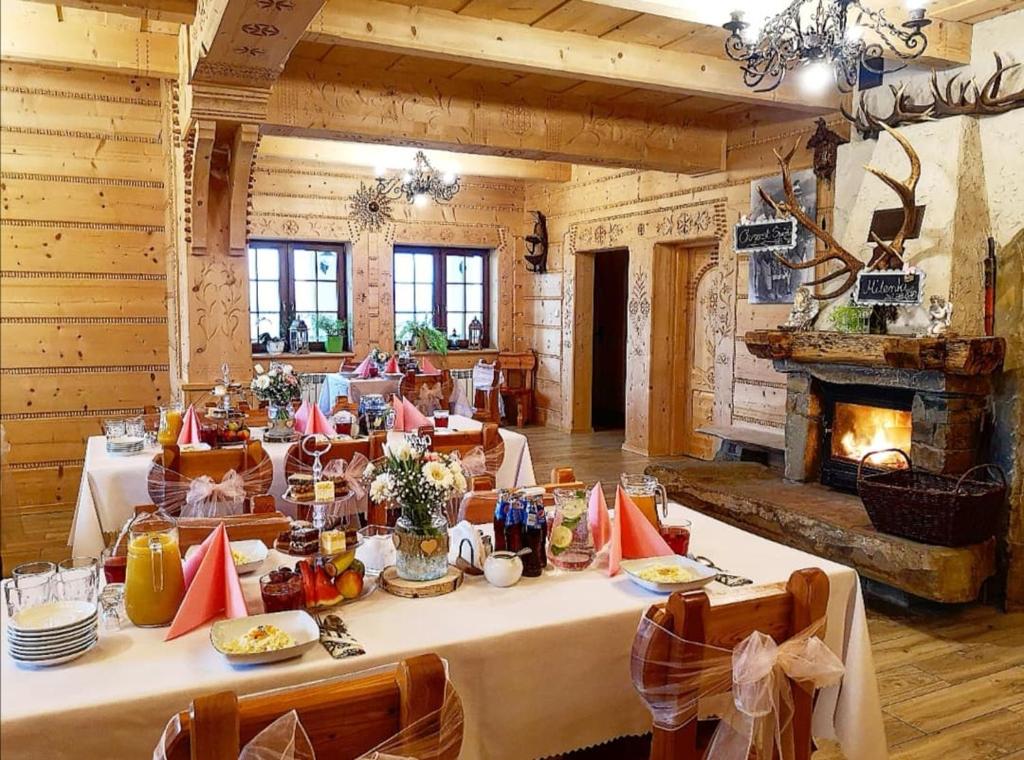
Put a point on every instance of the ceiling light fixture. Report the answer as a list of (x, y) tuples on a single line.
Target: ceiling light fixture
[(420, 183), (810, 32)]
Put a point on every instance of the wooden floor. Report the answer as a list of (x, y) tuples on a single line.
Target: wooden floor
[(951, 678)]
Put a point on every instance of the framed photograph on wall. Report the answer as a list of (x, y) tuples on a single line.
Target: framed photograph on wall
[(769, 280)]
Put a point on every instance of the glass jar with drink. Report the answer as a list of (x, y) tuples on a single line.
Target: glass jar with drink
[(170, 425), (645, 491), (154, 582)]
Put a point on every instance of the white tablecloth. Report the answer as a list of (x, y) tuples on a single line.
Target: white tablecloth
[(113, 486), (355, 388), (542, 667)]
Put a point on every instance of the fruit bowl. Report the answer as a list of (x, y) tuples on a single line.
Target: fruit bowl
[(329, 581)]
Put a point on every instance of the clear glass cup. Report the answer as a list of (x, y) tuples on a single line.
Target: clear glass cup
[(111, 603), (18, 599), (677, 536), (440, 419), (78, 579), (114, 428), (135, 427), (29, 574)]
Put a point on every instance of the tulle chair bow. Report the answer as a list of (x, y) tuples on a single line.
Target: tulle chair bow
[(206, 498)]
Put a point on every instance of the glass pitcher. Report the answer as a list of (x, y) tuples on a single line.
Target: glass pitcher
[(170, 425), (154, 583), (646, 491), (570, 545)]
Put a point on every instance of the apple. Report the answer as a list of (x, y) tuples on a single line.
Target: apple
[(350, 584)]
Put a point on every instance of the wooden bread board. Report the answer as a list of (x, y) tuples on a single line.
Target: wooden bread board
[(390, 582)]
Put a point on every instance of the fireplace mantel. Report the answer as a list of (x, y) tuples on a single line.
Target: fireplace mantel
[(963, 356)]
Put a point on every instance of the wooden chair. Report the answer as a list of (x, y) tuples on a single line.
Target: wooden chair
[(690, 616), (519, 370), (479, 507), (215, 463), (413, 386), (342, 404), (486, 396), (344, 717)]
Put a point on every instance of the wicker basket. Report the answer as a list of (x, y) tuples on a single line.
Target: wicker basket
[(932, 509)]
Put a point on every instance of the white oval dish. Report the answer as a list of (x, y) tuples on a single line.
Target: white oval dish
[(253, 549), (703, 574), (298, 624)]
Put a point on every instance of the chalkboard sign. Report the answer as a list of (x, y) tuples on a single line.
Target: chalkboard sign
[(889, 287), (768, 235)]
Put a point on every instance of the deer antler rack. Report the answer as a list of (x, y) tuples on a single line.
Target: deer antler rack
[(850, 264), (956, 98), (906, 191)]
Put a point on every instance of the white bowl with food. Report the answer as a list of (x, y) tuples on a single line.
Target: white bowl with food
[(665, 575), (248, 555), (260, 639)]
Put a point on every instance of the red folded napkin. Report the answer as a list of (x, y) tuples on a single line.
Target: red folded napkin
[(632, 535), (597, 518), (189, 427), (316, 423), (212, 586), (427, 368), (391, 368), (363, 370), (413, 417), (399, 423)]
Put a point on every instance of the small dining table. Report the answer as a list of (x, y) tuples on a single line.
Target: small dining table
[(112, 486), (542, 667)]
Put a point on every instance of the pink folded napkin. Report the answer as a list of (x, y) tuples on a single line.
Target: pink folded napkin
[(212, 586), (597, 518), (189, 427), (391, 368), (313, 421), (413, 417), (363, 370), (302, 416), (632, 535), (427, 368), (396, 404)]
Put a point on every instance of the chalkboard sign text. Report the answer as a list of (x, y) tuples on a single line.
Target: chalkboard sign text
[(768, 235), (889, 287)]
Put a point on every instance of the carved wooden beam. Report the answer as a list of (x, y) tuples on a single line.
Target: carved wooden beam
[(433, 33), (317, 100), (243, 163), (199, 147)]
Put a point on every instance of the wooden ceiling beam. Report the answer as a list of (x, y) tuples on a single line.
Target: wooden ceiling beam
[(175, 11), (316, 100), (31, 33), (949, 40), (421, 31), (364, 156)]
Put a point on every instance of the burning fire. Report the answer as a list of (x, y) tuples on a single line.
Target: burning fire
[(860, 429)]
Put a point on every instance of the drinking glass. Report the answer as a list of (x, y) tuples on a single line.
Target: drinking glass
[(282, 592), (677, 536), (114, 428), (135, 427), (19, 599), (440, 418), (111, 603), (78, 579), (29, 574), (377, 550)]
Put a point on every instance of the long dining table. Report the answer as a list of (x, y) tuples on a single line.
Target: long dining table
[(112, 486), (542, 667)]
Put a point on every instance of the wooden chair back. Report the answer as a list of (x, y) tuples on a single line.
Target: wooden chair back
[(344, 717), (413, 385), (343, 404), (690, 616), (519, 371), (297, 459), (479, 507), (486, 395), (486, 437), (215, 463)]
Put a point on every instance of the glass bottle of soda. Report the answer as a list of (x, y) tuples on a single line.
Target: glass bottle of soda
[(514, 523), (500, 515), (534, 540), (542, 523)]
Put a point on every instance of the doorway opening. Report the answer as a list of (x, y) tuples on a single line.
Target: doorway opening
[(608, 384)]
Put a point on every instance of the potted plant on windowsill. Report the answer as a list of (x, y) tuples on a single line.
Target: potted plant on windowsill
[(334, 329), (424, 337)]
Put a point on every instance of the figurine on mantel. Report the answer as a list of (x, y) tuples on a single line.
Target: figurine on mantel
[(804, 311), (940, 313)]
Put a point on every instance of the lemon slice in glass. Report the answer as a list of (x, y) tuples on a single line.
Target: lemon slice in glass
[(561, 537)]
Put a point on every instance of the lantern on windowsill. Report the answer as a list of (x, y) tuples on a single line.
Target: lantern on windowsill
[(298, 337), (476, 334)]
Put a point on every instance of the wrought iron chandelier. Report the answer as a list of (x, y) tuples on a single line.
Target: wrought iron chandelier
[(419, 183), (820, 33)]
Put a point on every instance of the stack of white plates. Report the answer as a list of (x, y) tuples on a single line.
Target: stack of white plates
[(124, 445), (52, 633)]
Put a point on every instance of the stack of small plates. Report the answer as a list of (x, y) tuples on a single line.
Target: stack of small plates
[(124, 445), (52, 633)]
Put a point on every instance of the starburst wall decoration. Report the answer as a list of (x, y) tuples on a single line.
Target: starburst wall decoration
[(371, 207)]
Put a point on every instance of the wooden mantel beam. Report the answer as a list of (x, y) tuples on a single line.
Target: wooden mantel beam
[(320, 101), (175, 11), (432, 33)]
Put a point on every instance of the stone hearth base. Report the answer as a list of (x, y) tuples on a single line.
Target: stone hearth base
[(829, 524)]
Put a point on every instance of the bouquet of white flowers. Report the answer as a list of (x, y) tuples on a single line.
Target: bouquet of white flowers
[(279, 385), (420, 482)]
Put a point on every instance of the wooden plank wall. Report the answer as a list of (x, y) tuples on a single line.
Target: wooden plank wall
[(82, 282), (748, 390)]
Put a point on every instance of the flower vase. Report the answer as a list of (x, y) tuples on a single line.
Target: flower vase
[(280, 423), (422, 551)]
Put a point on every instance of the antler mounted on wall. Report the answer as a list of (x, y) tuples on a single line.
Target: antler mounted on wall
[(985, 101), (888, 254), (851, 265)]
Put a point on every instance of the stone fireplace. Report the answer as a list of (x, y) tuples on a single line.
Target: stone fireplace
[(848, 395)]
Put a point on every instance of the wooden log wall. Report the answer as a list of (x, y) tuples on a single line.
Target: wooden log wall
[(83, 276), (616, 208)]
